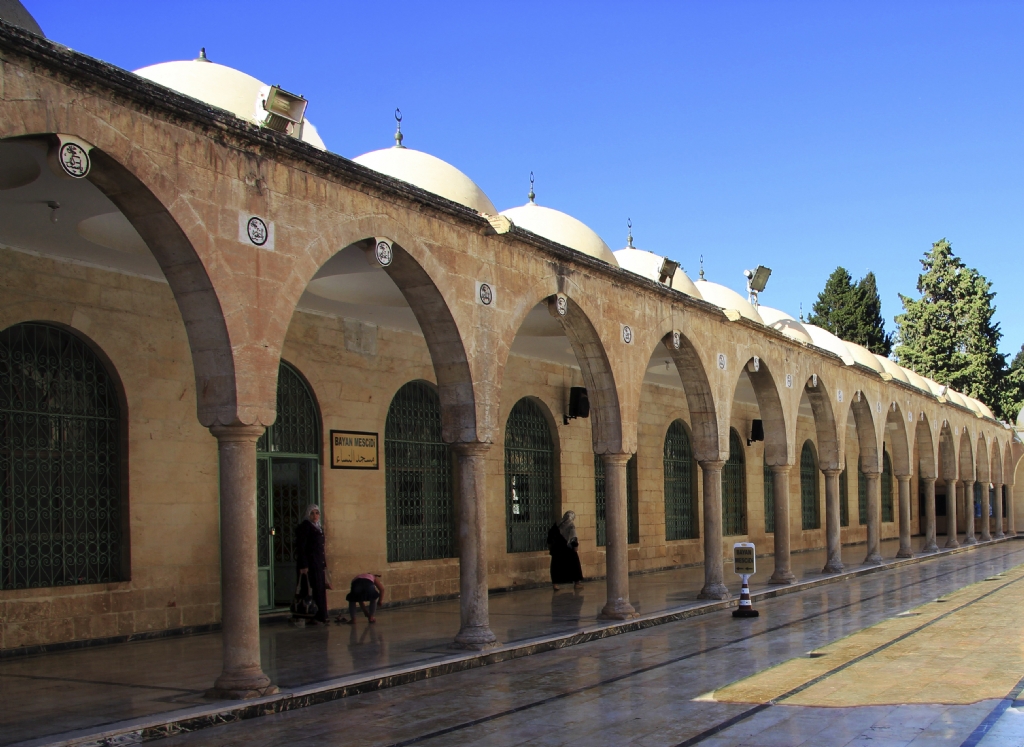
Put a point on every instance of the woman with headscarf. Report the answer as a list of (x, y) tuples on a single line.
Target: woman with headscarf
[(562, 544), (311, 560)]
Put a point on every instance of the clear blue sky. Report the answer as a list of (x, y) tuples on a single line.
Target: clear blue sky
[(797, 135)]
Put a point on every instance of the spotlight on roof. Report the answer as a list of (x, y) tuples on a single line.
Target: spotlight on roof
[(279, 110), (756, 281), (667, 271)]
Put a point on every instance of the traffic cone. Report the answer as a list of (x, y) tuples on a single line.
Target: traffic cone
[(745, 609)]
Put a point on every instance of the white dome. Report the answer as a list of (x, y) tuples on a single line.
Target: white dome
[(219, 86), (916, 380), (562, 229), (828, 341), (933, 386), (956, 398), (864, 356), (727, 299), (1020, 418), (892, 368), (648, 264), (784, 323), (430, 173)]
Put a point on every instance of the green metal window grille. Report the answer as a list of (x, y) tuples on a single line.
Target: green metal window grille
[(769, 501), (862, 496), (734, 493), (418, 478), (632, 502), (680, 485), (809, 513), (844, 500), (297, 428), (529, 478), (887, 509), (60, 462)]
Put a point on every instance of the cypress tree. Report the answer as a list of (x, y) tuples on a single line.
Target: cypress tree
[(852, 311), (948, 333), (1013, 389)]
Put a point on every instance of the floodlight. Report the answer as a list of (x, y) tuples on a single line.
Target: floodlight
[(277, 109), (668, 271), (760, 278)]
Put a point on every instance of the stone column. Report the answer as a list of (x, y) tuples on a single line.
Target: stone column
[(834, 561), (1011, 526), (969, 513), (986, 522), (905, 551), (474, 631), (999, 511), (929, 514), (780, 486), (952, 488), (242, 675), (617, 547), (874, 496), (714, 565)]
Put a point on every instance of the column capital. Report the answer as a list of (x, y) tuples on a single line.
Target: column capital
[(615, 459), (928, 479), (870, 474), (471, 448), (238, 432), (966, 483), (712, 464), (780, 469), (903, 477), (830, 472)]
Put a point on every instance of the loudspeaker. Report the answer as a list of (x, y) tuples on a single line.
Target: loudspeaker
[(756, 432), (579, 403)]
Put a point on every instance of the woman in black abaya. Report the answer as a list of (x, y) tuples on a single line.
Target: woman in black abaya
[(562, 544)]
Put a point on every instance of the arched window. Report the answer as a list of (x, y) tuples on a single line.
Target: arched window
[(844, 500), (529, 478), (287, 480), (632, 502), (977, 499), (887, 511), (61, 482), (769, 500), (680, 485), (418, 477), (734, 489), (810, 516)]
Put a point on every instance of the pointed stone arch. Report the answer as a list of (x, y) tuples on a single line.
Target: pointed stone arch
[(773, 414), (825, 426), (896, 427)]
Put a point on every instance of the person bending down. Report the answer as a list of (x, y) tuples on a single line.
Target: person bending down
[(366, 587)]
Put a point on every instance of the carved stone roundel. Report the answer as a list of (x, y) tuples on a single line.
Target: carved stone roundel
[(74, 160)]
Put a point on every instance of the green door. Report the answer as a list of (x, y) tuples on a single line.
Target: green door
[(287, 481)]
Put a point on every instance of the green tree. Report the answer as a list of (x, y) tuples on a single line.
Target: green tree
[(948, 333), (852, 311), (1013, 388)]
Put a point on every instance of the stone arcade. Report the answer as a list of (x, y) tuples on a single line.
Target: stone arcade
[(167, 252)]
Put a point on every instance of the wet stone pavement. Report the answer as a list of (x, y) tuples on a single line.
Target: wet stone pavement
[(654, 686)]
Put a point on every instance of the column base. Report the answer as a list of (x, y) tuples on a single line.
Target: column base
[(1000, 535), (620, 609), (874, 558), (714, 591), (782, 577), (833, 566), (219, 693), (985, 538), (930, 548), (241, 686), (952, 544), (475, 639), (904, 553), (971, 541)]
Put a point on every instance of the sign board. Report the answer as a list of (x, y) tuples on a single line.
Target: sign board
[(354, 450), (743, 558)]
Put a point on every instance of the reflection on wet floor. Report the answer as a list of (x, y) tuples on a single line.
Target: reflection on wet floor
[(77, 689)]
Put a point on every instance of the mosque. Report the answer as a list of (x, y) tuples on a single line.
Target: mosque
[(210, 320)]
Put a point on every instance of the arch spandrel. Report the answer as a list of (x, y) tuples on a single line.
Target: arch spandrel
[(996, 463), (779, 448), (827, 432), (925, 444), (896, 431), (981, 466), (948, 469), (965, 462), (869, 430)]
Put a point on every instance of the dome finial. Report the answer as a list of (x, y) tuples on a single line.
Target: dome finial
[(702, 267), (202, 56), (531, 195), (629, 234), (398, 132)]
